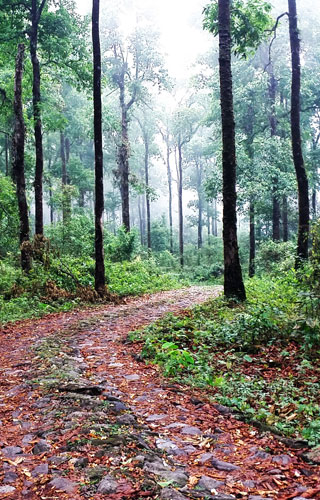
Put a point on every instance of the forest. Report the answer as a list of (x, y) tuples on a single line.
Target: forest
[(159, 249)]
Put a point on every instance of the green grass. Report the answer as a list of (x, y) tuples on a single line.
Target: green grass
[(24, 296), (260, 358)]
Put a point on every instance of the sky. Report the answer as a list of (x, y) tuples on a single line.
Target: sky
[(180, 25)]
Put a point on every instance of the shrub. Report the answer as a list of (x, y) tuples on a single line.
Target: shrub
[(275, 257)]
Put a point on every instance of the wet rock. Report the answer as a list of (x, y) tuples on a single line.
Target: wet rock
[(40, 470), (167, 445), (90, 389), (171, 494), (177, 477), (81, 462), (10, 477), (11, 451), (208, 484), (222, 409), (126, 419), (191, 430), (107, 485), (58, 459), (27, 439), (225, 466), (263, 455), (258, 497), (41, 403), (249, 484), (63, 484), (132, 377), (282, 459), (175, 425), (205, 457), (95, 473), (42, 446), (7, 489), (155, 466), (155, 418), (313, 456), (117, 407)]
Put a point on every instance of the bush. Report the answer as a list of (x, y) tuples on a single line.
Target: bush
[(275, 257), (75, 238), (123, 246)]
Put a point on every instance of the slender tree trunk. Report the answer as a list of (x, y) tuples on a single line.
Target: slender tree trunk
[(18, 160), (252, 237), (272, 88), (169, 176), (146, 172), (6, 147), (285, 218), (200, 208), (233, 282), (180, 206), (99, 197), (215, 232), (302, 179), (38, 182), (314, 204), (143, 213), (66, 201), (123, 158), (140, 220)]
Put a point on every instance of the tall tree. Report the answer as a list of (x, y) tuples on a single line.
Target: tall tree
[(233, 282), (302, 179), (99, 197), (36, 11), (18, 141)]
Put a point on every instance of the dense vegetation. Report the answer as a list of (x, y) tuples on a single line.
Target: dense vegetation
[(135, 191)]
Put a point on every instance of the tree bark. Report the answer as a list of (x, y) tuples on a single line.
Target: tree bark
[(66, 201), (200, 207), (233, 282), (272, 88), (6, 147), (123, 156), (285, 219), (38, 182), (180, 205), (146, 173), (18, 160), (99, 196), (302, 179), (252, 238), (169, 176)]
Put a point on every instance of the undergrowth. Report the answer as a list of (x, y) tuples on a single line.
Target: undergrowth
[(66, 282), (260, 358)]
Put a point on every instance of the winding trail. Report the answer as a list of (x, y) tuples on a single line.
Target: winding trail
[(81, 417)]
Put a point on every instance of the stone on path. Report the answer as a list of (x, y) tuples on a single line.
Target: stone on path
[(6, 489), (11, 451), (41, 447), (208, 484), (225, 466), (282, 459), (155, 418), (191, 430), (171, 494), (313, 455), (107, 485), (40, 470), (126, 419), (63, 484), (132, 377)]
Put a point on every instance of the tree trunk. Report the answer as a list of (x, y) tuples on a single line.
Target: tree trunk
[(18, 160), (180, 206), (6, 147), (233, 283), (66, 201), (302, 179), (36, 97), (215, 218), (169, 175), (285, 218), (200, 208), (99, 197), (314, 204), (272, 88), (123, 158), (146, 173), (252, 237)]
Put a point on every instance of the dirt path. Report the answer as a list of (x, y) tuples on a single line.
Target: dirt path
[(81, 417)]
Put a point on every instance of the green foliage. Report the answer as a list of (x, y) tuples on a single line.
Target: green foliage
[(228, 347), (9, 222), (76, 238), (275, 257), (250, 22), (123, 246)]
